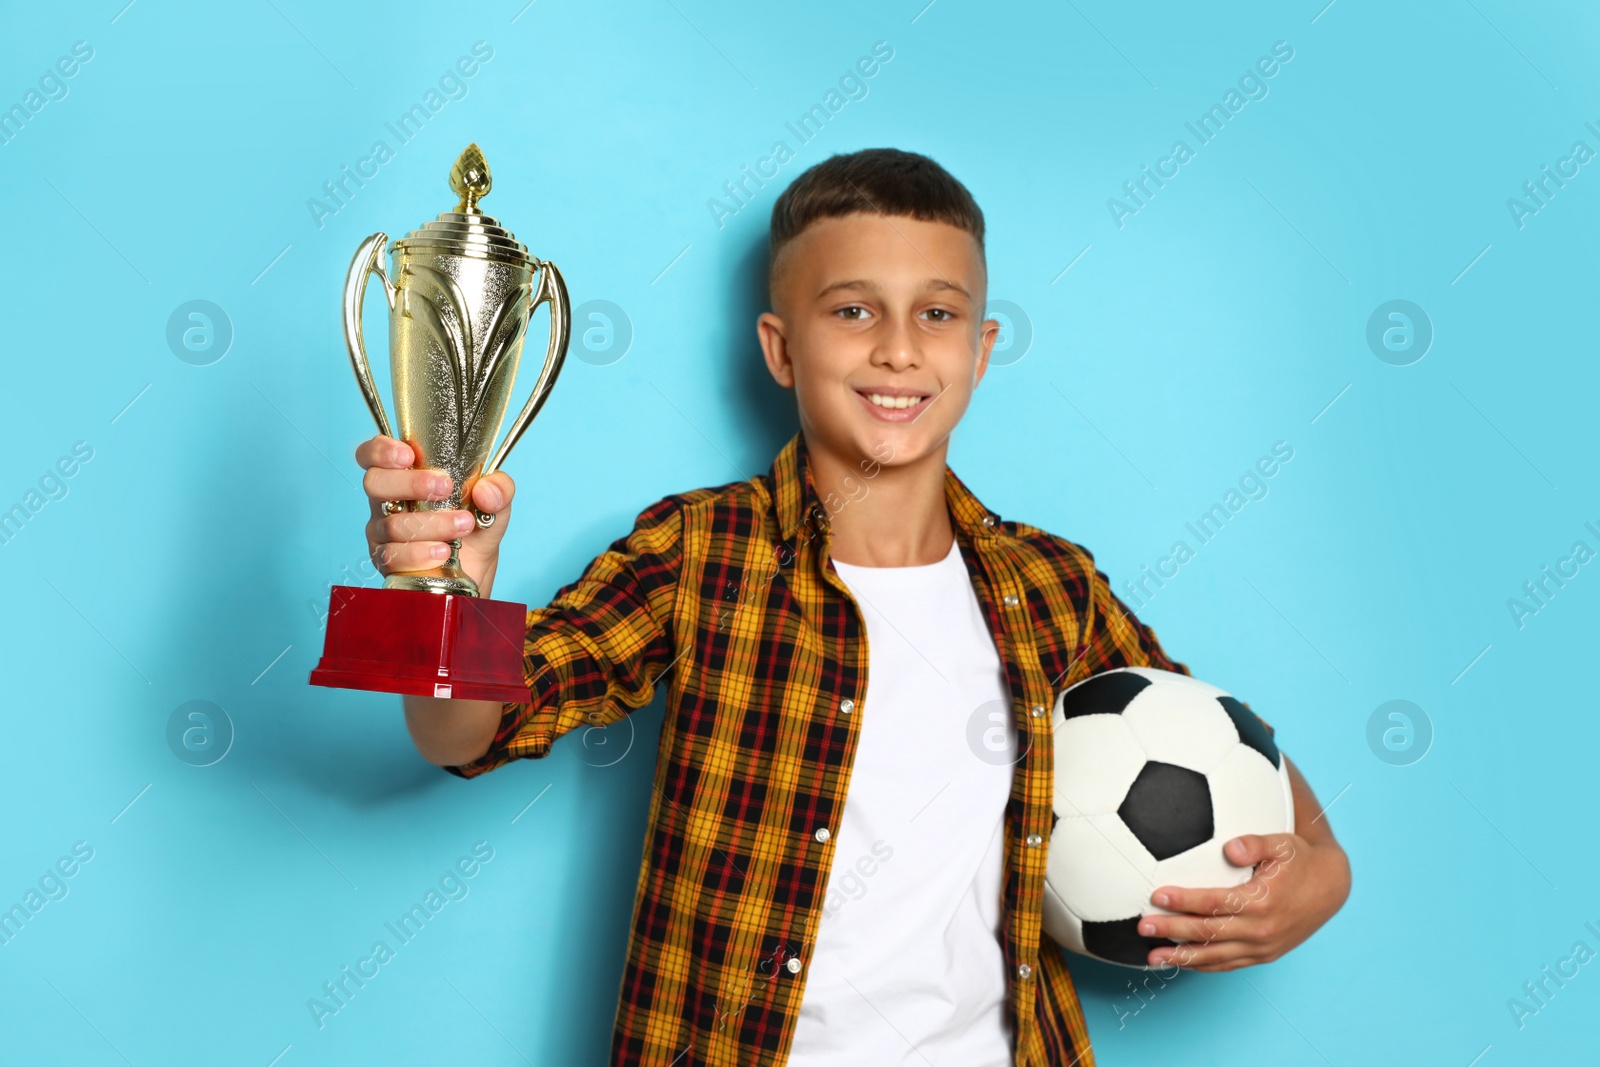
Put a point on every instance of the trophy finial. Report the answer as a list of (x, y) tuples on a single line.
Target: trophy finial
[(470, 180)]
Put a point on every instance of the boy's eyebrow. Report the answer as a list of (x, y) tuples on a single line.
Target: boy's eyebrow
[(852, 283), (872, 287), (946, 283)]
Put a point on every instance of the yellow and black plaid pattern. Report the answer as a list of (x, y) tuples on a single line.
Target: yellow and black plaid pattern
[(728, 597)]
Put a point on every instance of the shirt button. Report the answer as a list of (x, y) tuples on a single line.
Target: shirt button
[(988, 520), (1038, 710), (1011, 600), (823, 835), (1034, 840), (847, 705), (1023, 971), (793, 965)]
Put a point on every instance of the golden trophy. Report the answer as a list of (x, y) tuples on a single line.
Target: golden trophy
[(461, 292)]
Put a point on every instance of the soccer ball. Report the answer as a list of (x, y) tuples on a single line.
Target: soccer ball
[(1155, 771)]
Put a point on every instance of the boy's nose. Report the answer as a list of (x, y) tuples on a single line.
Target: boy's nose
[(898, 348)]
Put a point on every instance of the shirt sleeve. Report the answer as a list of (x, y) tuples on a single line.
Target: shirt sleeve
[(1114, 637), (595, 653)]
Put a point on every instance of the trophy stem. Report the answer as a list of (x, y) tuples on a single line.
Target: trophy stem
[(459, 585)]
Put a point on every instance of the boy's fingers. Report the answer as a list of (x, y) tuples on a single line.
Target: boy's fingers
[(1201, 929), (381, 451), (1215, 956), (382, 484), (1198, 901), (415, 556), (409, 526)]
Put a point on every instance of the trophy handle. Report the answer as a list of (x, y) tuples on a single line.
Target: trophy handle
[(367, 262), (552, 288)]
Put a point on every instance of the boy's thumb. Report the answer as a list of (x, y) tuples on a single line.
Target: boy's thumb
[(494, 492), (1247, 851)]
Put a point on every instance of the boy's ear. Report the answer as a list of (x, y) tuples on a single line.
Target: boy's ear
[(775, 348), (988, 332)]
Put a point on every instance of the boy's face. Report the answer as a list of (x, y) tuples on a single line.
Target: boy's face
[(878, 327)]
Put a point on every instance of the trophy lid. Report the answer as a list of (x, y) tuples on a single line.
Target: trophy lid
[(466, 231)]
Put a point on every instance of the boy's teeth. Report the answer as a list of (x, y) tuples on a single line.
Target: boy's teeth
[(894, 401)]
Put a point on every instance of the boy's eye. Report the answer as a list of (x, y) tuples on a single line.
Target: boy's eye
[(939, 314), (853, 313)]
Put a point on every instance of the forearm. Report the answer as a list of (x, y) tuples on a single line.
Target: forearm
[(1329, 861), (1309, 820), (449, 733)]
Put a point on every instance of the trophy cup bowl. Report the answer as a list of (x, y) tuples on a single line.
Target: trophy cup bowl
[(461, 292)]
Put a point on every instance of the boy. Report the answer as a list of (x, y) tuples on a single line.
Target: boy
[(846, 844)]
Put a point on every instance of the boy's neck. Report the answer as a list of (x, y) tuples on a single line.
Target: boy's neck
[(896, 518)]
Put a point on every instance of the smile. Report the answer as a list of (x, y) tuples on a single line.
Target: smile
[(894, 405)]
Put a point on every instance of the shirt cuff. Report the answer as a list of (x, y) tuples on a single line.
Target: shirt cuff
[(526, 730)]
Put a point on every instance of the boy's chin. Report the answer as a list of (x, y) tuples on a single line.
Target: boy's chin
[(900, 446), (887, 445)]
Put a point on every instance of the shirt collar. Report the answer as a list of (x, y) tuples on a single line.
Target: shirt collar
[(796, 496)]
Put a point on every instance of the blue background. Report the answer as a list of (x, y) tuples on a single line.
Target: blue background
[(189, 559)]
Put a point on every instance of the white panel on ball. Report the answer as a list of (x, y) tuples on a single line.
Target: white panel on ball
[(1097, 758), (1250, 796), (1182, 726), (1101, 865), (1204, 866), (1065, 927)]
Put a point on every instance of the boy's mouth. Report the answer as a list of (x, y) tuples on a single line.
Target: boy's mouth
[(894, 404)]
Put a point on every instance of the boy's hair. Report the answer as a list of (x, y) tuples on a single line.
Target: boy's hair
[(875, 180)]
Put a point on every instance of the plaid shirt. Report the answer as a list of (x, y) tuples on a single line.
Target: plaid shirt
[(729, 598)]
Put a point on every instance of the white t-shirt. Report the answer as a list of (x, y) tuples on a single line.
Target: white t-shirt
[(907, 967)]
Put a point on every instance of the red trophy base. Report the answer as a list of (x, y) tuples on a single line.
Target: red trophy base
[(423, 644)]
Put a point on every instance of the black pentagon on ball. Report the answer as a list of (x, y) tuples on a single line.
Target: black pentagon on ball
[(1252, 731), (1168, 808), (1103, 694), (1121, 942)]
